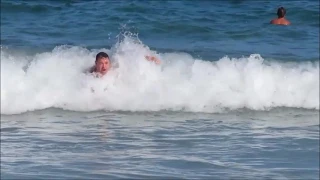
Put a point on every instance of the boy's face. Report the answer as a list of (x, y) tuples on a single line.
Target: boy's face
[(103, 65)]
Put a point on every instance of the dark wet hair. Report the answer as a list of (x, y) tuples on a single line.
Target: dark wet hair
[(281, 12), (101, 55)]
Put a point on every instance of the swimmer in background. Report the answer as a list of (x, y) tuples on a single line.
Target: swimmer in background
[(103, 63), (281, 20)]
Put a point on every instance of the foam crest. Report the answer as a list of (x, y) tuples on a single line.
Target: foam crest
[(58, 79)]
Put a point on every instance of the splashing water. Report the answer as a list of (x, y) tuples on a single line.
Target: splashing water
[(59, 79)]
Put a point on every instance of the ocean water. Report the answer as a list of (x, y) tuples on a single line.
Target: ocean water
[(234, 96)]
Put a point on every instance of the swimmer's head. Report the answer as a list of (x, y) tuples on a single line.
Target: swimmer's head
[(101, 55), (281, 12), (103, 63)]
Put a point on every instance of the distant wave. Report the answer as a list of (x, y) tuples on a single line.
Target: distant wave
[(180, 83), (15, 6)]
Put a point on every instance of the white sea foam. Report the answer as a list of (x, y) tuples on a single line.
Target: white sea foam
[(57, 79)]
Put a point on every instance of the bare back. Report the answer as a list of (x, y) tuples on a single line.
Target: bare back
[(280, 21)]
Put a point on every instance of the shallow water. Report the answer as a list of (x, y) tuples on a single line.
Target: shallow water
[(280, 144)]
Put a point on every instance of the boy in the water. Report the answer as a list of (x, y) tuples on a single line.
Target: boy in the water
[(103, 64)]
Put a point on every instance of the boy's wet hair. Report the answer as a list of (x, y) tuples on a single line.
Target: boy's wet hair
[(281, 12), (101, 55)]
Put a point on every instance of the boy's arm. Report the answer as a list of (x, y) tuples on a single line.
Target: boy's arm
[(153, 58)]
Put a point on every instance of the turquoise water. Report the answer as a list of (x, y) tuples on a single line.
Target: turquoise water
[(205, 29), (234, 96)]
